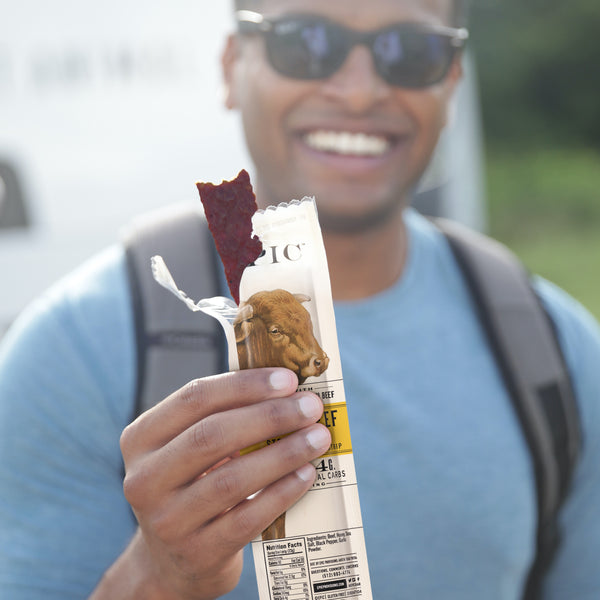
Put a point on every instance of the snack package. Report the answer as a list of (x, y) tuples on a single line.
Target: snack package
[(316, 550)]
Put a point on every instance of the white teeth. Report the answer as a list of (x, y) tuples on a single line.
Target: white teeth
[(355, 144)]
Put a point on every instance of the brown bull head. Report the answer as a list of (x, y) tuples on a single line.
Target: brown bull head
[(273, 329)]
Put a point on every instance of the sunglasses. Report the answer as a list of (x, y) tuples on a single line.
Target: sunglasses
[(408, 55)]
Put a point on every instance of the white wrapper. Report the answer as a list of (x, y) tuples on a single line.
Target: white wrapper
[(323, 555)]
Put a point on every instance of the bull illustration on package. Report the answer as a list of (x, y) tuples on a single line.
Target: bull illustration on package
[(273, 329)]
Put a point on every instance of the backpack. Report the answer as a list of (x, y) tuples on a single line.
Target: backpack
[(175, 345)]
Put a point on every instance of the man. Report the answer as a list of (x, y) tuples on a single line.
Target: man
[(446, 487)]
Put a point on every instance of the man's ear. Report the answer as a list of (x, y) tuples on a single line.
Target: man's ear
[(228, 59), (456, 69)]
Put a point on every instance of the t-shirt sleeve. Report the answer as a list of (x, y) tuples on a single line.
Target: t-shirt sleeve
[(66, 392), (575, 573)]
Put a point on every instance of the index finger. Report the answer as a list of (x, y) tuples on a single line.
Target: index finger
[(202, 397)]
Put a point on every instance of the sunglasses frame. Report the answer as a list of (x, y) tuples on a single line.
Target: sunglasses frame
[(251, 22)]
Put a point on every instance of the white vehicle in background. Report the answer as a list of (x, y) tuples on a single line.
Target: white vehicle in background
[(111, 109)]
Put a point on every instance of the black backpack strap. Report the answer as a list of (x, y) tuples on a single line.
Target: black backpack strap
[(174, 344), (524, 342)]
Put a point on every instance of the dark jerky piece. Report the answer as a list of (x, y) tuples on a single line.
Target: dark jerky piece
[(229, 207)]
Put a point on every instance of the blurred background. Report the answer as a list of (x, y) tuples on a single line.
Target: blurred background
[(110, 109), (538, 66)]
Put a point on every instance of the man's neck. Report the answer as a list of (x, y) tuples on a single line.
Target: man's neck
[(363, 264)]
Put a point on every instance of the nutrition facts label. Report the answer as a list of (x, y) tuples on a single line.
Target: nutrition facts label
[(287, 568), (298, 569)]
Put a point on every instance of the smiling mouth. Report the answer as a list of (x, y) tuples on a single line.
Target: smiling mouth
[(347, 143)]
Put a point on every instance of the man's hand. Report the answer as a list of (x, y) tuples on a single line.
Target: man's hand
[(197, 501)]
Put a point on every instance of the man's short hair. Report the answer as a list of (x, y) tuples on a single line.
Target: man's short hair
[(459, 17)]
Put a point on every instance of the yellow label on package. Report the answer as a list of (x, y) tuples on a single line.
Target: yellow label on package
[(335, 418), (318, 552)]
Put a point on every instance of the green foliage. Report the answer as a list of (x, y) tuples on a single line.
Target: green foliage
[(539, 69), (542, 189), (538, 64), (571, 259), (545, 205)]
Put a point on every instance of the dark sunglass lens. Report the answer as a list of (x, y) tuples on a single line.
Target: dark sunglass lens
[(304, 49), (412, 58)]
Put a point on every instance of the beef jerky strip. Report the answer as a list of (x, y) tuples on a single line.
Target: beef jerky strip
[(229, 207)]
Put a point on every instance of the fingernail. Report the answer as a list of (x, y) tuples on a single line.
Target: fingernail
[(310, 407), (280, 379), (318, 438), (306, 473)]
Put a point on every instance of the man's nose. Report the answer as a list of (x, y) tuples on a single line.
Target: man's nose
[(356, 83)]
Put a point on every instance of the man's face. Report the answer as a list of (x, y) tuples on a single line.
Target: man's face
[(356, 143)]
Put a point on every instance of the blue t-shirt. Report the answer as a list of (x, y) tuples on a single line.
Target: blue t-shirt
[(445, 478)]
